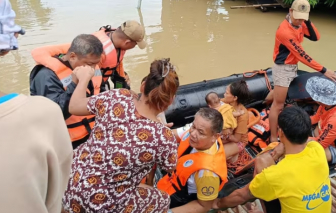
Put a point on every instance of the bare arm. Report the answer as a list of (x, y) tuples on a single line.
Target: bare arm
[(235, 137), (79, 101), (196, 206), (316, 117), (236, 198)]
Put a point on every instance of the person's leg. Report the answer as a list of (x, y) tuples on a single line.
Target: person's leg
[(269, 98), (231, 149), (282, 75), (279, 94), (261, 162)]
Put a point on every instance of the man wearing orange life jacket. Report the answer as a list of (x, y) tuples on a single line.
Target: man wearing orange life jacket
[(201, 169), (115, 43), (53, 78)]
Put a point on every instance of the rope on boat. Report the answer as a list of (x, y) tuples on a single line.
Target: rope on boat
[(240, 163), (251, 74)]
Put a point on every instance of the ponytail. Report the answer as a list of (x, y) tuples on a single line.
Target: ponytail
[(161, 84)]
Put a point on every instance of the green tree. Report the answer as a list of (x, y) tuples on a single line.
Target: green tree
[(330, 3)]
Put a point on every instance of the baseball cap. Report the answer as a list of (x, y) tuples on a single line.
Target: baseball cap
[(301, 9), (135, 31)]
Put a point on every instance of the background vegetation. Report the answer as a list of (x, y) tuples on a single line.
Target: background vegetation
[(313, 3)]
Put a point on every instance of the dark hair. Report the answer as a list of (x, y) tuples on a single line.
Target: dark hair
[(161, 84), (240, 89), (214, 117), (295, 124), (144, 79), (209, 100), (86, 44)]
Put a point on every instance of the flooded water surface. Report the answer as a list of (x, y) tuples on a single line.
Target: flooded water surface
[(204, 38)]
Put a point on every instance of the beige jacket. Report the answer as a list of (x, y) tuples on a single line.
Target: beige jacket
[(36, 155)]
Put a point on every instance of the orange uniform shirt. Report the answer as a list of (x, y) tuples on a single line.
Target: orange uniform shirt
[(326, 120), (288, 49)]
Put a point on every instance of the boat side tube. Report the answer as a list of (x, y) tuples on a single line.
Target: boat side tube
[(190, 98)]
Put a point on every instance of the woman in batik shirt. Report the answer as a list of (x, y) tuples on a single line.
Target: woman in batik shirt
[(126, 141)]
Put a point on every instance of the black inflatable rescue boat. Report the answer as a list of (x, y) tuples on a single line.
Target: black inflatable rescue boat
[(191, 97)]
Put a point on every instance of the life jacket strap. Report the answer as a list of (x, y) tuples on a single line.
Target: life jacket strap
[(113, 69), (85, 122)]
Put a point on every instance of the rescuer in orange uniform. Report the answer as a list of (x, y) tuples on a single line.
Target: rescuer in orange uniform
[(288, 52)]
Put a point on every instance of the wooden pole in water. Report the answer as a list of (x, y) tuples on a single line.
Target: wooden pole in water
[(255, 5), (139, 4)]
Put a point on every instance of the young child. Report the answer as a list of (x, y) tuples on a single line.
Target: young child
[(227, 111)]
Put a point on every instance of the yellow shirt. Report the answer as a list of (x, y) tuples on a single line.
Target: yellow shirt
[(207, 182), (300, 181), (230, 122)]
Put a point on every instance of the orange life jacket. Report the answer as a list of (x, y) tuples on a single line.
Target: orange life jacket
[(259, 133), (111, 58), (78, 126), (188, 164)]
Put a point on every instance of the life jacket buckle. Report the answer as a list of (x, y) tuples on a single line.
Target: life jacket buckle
[(86, 124)]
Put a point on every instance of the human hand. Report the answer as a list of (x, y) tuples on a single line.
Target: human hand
[(16, 35), (84, 73), (215, 204), (225, 138), (226, 134), (74, 78), (169, 125), (254, 209), (331, 75)]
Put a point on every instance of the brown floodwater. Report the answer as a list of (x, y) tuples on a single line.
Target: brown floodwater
[(205, 39)]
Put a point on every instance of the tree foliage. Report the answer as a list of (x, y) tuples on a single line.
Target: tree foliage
[(313, 3)]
